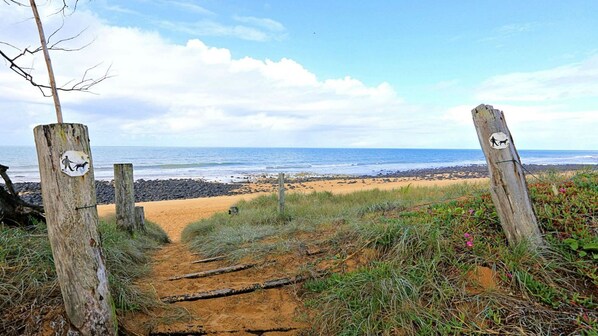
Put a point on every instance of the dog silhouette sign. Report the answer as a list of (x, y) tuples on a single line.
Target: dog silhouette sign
[(74, 163), (499, 140)]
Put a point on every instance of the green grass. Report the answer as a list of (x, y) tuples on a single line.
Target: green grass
[(28, 284), (243, 235), (420, 281)]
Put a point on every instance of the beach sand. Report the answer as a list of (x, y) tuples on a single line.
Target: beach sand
[(174, 215)]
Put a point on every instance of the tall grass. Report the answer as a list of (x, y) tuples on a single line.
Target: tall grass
[(424, 281), (432, 248), (28, 284), (242, 235)]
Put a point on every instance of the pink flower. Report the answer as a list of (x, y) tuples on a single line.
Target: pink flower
[(469, 243), (509, 275), (471, 211), (467, 235), (562, 190)]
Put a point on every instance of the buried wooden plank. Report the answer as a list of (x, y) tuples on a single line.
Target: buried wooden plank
[(207, 260), (217, 293), (217, 271), (201, 331)]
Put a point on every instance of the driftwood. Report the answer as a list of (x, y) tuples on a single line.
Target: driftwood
[(217, 293), (199, 331), (207, 260), (13, 210), (204, 274)]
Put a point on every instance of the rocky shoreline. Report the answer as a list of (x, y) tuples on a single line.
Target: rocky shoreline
[(145, 190), (172, 189)]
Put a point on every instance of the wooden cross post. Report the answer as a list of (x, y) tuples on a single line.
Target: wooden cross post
[(69, 196), (280, 193), (124, 196), (508, 186)]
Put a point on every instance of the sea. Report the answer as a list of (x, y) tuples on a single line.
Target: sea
[(238, 164)]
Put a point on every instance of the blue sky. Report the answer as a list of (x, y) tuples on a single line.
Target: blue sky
[(320, 73)]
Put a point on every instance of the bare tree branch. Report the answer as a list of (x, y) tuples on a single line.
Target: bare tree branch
[(15, 63)]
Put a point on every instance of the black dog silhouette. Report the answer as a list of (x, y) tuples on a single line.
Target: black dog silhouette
[(81, 165), (503, 142)]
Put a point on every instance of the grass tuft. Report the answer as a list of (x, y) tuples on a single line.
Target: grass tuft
[(28, 285)]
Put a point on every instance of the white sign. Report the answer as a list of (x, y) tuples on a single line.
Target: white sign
[(74, 163), (499, 140)]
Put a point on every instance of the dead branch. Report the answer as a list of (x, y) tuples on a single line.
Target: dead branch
[(83, 85), (13, 209), (207, 260), (217, 271), (275, 283)]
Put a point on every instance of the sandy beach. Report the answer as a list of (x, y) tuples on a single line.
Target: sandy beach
[(174, 215)]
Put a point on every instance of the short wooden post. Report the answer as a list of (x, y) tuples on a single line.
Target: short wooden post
[(139, 218), (68, 191), (281, 193), (124, 196), (508, 186)]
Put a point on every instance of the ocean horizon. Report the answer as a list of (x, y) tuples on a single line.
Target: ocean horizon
[(234, 164)]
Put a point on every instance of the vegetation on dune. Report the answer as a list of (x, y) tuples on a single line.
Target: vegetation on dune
[(243, 235), (441, 263), (28, 286)]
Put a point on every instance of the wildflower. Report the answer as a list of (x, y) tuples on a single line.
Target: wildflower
[(562, 190), (469, 243), (471, 211), (467, 235), (509, 275)]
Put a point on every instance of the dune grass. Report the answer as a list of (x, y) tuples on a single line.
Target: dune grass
[(28, 284), (242, 235), (441, 268)]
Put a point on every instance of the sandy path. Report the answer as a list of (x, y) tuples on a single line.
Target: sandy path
[(265, 312), (174, 215)]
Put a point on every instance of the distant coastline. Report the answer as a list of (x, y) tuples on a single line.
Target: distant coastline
[(172, 189), (238, 164)]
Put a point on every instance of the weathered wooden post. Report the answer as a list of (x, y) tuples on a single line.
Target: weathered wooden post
[(124, 196), (281, 193), (139, 219), (68, 191), (508, 185)]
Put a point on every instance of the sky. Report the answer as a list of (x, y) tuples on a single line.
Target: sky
[(335, 73)]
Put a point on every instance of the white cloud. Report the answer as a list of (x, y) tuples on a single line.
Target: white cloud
[(189, 6), (577, 80), (194, 94), (269, 24)]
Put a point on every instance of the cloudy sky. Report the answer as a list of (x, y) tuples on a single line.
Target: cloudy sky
[(312, 73)]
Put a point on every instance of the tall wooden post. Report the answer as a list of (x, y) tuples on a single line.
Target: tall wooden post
[(68, 191), (508, 185), (124, 196), (281, 193)]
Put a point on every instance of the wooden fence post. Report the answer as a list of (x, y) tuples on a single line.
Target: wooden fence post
[(281, 193), (69, 197), (124, 196), (508, 186), (139, 218)]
